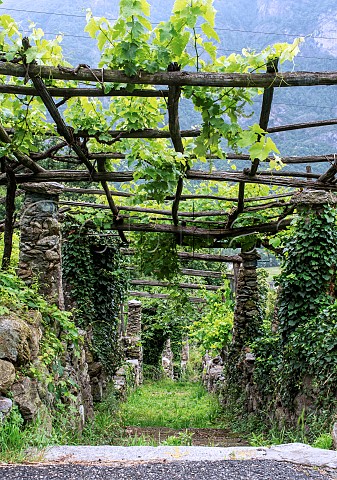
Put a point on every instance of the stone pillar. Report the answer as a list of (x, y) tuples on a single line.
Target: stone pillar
[(185, 355), (132, 340), (40, 243), (238, 373), (246, 314), (167, 359)]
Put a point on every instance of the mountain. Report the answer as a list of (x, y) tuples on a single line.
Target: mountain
[(240, 24)]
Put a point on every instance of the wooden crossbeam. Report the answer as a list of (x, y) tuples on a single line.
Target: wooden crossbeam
[(267, 178), (164, 296), (205, 257), (69, 92), (217, 233), (117, 193), (210, 79), (192, 286)]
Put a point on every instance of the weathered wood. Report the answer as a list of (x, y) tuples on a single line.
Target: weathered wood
[(21, 157), (220, 233), (204, 273), (85, 176), (69, 92), (211, 79), (114, 209), (192, 286), (265, 110), (329, 175), (229, 155), (239, 209), (62, 128), (165, 296), (9, 219), (299, 126), (206, 257), (174, 128), (117, 193)]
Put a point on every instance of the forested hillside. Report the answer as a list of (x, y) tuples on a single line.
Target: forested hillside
[(251, 24)]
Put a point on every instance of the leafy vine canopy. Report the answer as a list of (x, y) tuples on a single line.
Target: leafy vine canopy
[(133, 44), (187, 40)]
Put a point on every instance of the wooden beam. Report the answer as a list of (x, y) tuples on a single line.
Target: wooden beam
[(188, 256), (114, 209), (211, 79), (219, 233), (117, 193), (174, 128), (22, 158), (239, 209), (298, 126), (192, 286), (10, 219), (204, 273), (62, 128), (265, 111), (69, 92), (164, 296)]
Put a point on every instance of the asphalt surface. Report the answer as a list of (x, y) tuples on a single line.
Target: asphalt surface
[(203, 470)]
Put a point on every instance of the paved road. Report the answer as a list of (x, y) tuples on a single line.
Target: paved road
[(203, 470)]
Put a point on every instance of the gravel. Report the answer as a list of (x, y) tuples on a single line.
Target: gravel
[(205, 470)]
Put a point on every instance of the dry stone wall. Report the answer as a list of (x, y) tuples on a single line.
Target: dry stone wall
[(40, 240)]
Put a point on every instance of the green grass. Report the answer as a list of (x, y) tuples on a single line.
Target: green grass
[(170, 404)]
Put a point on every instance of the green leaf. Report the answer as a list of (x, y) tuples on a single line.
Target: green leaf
[(209, 31)]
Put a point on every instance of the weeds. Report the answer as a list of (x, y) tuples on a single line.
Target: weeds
[(170, 404)]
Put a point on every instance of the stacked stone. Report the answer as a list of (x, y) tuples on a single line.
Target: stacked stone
[(246, 313), (40, 243), (132, 340), (19, 347), (185, 354), (167, 360)]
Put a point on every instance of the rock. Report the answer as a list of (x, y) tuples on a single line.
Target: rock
[(25, 394), (7, 375), (52, 255), (94, 369), (5, 407), (49, 188), (19, 339), (50, 241), (334, 436), (314, 197)]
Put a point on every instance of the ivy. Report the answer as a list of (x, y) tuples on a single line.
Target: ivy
[(97, 283), (303, 348)]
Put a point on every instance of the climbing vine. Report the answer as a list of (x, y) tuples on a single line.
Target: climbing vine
[(97, 284), (302, 352)]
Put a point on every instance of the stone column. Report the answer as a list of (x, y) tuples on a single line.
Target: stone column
[(247, 323), (246, 314), (132, 340), (40, 243), (185, 355), (167, 359)]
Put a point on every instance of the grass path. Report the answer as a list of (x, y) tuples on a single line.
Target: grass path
[(166, 403)]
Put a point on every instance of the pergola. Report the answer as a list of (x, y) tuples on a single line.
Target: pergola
[(89, 166)]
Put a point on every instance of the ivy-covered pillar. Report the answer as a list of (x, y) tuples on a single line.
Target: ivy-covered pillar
[(239, 361), (167, 359), (247, 313), (132, 340), (40, 240)]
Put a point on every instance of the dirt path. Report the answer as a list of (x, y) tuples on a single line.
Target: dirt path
[(208, 437)]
